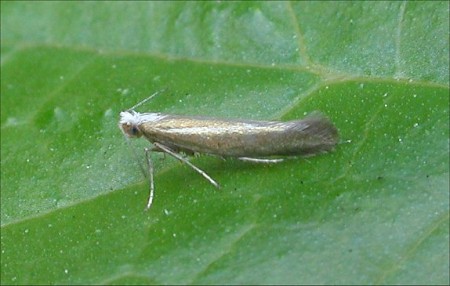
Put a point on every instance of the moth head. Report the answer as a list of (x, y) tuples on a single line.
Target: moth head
[(129, 124)]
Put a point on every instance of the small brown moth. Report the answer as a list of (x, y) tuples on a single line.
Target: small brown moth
[(249, 140)]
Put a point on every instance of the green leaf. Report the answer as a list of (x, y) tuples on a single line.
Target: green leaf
[(374, 211)]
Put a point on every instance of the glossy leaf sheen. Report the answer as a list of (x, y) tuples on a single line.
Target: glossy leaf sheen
[(375, 211)]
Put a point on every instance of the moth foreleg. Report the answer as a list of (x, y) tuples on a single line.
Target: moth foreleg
[(150, 175)]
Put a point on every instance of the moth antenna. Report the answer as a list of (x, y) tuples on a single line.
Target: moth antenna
[(147, 99)]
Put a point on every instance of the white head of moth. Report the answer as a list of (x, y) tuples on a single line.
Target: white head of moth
[(131, 120)]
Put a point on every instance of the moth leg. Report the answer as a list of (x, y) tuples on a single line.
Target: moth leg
[(150, 175), (260, 160), (179, 157)]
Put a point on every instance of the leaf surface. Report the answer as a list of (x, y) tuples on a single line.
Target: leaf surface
[(374, 211)]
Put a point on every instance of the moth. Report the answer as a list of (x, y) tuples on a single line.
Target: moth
[(249, 140)]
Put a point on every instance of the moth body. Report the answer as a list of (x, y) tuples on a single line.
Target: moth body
[(232, 138), (249, 140)]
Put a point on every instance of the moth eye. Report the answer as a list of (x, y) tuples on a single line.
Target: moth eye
[(134, 130)]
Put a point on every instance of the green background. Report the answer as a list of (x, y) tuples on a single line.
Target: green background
[(375, 211)]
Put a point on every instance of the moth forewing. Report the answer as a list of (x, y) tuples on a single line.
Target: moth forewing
[(242, 138), (250, 140)]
